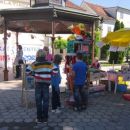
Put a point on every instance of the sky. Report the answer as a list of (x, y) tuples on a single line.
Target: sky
[(107, 3)]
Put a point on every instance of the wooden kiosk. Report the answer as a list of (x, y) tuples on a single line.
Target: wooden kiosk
[(46, 19)]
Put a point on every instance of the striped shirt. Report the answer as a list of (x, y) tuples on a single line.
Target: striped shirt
[(41, 71)]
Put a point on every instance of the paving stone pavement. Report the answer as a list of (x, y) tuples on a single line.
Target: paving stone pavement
[(105, 112)]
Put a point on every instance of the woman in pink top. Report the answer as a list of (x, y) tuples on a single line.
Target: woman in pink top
[(49, 56)]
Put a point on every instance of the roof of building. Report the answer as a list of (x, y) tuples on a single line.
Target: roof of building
[(118, 8), (72, 5), (100, 10), (37, 20)]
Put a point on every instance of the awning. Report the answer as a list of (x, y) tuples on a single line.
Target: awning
[(46, 20), (120, 38), (39, 19)]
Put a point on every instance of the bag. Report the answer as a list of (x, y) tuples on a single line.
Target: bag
[(20, 61)]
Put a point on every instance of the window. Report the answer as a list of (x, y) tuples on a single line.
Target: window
[(109, 29)]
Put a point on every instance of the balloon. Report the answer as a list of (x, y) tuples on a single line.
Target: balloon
[(76, 30)]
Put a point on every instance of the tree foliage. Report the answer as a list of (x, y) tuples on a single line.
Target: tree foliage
[(122, 25), (97, 39), (60, 43), (117, 25), (117, 57)]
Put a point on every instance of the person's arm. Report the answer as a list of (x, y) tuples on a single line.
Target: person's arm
[(73, 71), (29, 70), (73, 74)]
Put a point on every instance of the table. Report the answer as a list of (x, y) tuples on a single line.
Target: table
[(96, 76)]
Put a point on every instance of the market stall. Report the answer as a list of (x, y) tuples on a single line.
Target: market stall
[(81, 40), (37, 20), (118, 41), (52, 19), (114, 76)]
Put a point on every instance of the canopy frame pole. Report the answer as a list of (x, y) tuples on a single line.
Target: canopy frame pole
[(5, 53), (93, 37), (17, 35), (53, 37)]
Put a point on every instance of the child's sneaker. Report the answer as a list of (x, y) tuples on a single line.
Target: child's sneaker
[(83, 107), (61, 107), (77, 109), (57, 111), (53, 110), (38, 121), (45, 120)]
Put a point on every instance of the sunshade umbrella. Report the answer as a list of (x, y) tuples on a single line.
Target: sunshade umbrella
[(120, 38)]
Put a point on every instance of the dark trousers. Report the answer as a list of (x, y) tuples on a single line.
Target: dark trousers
[(18, 71), (42, 100), (55, 97), (80, 96)]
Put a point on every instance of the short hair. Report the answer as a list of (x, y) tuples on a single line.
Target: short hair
[(57, 59), (79, 55), (20, 47), (41, 53), (46, 48)]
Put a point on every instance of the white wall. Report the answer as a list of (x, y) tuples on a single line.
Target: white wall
[(30, 46), (125, 20), (105, 29)]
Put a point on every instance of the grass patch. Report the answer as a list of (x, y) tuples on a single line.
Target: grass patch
[(108, 64)]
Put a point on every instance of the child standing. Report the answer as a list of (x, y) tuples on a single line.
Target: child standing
[(79, 75), (42, 72), (56, 80)]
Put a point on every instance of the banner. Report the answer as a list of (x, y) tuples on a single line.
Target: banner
[(30, 47)]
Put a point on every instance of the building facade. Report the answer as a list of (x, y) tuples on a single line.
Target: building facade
[(109, 15)]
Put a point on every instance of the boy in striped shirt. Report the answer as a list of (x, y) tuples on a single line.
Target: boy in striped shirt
[(42, 72)]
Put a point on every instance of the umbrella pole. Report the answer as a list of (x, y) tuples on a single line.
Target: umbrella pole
[(93, 36), (113, 64)]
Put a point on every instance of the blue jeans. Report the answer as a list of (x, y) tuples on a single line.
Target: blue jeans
[(42, 100), (55, 97), (80, 96)]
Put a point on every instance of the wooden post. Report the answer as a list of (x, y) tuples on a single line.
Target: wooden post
[(5, 53), (93, 39), (53, 36), (17, 39)]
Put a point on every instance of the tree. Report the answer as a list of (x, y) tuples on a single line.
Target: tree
[(117, 25), (97, 39), (60, 43), (117, 57), (122, 25)]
